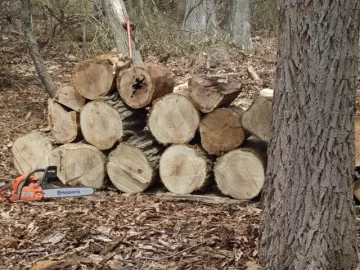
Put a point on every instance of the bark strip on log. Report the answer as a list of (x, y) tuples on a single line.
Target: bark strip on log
[(132, 166), (222, 131), (68, 96), (240, 173), (79, 164), (184, 169), (139, 86), (174, 119), (32, 151), (64, 125), (209, 94), (94, 78), (257, 119)]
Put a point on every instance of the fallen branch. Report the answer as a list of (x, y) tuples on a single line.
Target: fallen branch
[(253, 74)]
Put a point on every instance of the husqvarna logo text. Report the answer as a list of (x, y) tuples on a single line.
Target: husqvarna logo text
[(68, 192)]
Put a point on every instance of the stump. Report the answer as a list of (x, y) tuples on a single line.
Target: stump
[(240, 173), (257, 119), (222, 131), (173, 119), (79, 164), (357, 141), (209, 94), (69, 97), (64, 124), (94, 78), (139, 86), (31, 152), (184, 169), (132, 166)]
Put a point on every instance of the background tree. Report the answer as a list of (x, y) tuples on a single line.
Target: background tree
[(308, 218), (240, 27)]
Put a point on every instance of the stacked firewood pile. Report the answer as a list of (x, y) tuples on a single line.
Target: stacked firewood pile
[(125, 124)]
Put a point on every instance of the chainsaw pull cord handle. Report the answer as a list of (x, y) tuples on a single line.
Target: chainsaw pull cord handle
[(128, 28)]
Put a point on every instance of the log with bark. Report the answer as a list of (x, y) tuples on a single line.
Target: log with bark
[(174, 119), (139, 86), (64, 124), (132, 165), (185, 169), (257, 119), (240, 173), (79, 164), (208, 94), (94, 78), (357, 141), (68, 96), (222, 131), (32, 151)]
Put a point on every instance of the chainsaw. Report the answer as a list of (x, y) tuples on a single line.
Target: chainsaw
[(29, 187)]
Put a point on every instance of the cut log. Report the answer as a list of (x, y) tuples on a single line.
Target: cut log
[(257, 119), (94, 78), (69, 97), (357, 141), (132, 166), (209, 94), (174, 119), (79, 164), (32, 151), (139, 86), (222, 131), (184, 169), (64, 124), (240, 173)]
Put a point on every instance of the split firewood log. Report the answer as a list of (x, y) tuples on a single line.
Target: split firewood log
[(185, 169), (240, 173), (79, 164), (139, 86), (173, 119), (209, 94), (132, 165), (68, 96), (222, 131)]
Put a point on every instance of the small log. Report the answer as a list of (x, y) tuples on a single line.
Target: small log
[(221, 130), (64, 124), (357, 141), (240, 173), (68, 96), (132, 165), (79, 164), (32, 151), (253, 74), (139, 86), (257, 119), (94, 78), (209, 94), (184, 169)]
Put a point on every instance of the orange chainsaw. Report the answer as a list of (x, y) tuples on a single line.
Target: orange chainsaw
[(28, 187)]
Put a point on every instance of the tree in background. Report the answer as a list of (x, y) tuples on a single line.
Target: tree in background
[(240, 27), (308, 221)]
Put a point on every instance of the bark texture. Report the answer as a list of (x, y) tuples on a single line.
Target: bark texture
[(308, 219), (240, 26)]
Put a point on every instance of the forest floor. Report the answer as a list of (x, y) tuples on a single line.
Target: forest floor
[(110, 230)]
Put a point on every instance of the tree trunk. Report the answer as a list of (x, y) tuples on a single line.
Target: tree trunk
[(357, 141), (132, 166), (139, 86), (64, 124), (257, 119), (27, 27), (221, 130), (209, 94), (79, 164), (308, 221), (117, 16), (240, 26), (68, 96), (200, 17), (240, 173), (94, 78), (173, 119), (184, 169)]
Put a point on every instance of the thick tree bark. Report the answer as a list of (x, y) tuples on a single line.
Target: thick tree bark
[(27, 27), (200, 17), (308, 220), (117, 16)]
